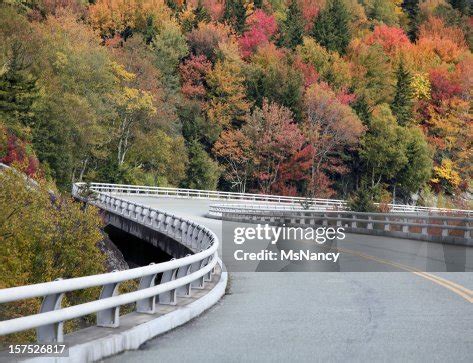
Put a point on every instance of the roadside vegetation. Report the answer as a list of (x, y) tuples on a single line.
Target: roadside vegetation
[(44, 236)]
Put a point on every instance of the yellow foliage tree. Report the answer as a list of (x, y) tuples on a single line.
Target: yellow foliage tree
[(446, 176), (114, 16), (44, 237), (228, 105), (421, 86)]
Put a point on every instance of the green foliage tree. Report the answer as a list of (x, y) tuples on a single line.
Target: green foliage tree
[(362, 200), (258, 4), (331, 27), (394, 155), (382, 11), (159, 159), (74, 112), (402, 105), (292, 28), (373, 76), (272, 76), (195, 126), (464, 6), (18, 89), (150, 31), (227, 104), (201, 13), (411, 7), (235, 13), (330, 66), (170, 47), (362, 110), (202, 171), (383, 147), (418, 169)]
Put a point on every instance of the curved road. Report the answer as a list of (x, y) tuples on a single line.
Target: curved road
[(393, 315)]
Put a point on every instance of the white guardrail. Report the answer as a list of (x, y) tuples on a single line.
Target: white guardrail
[(176, 277), (440, 227), (308, 203)]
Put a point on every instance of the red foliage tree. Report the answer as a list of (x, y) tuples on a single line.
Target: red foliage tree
[(308, 71), (293, 172), (444, 85), (310, 9), (261, 28), (392, 39), (345, 97), (193, 72), (16, 153), (329, 126), (275, 140)]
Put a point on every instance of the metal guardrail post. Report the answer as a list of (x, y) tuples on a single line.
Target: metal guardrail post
[(339, 222), (387, 226), (181, 272), (168, 297), (147, 306), (196, 266), (424, 231), (208, 276), (353, 224), (370, 223), (109, 318), (51, 333), (405, 228), (445, 231)]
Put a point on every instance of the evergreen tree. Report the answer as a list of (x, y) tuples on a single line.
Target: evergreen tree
[(418, 168), (150, 31), (293, 26), (362, 109), (463, 6), (235, 14), (331, 28), (383, 11), (202, 172), (403, 99), (411, 7), (362, 199), (201, 14), (18, 90), (258, 4), (172, 4)]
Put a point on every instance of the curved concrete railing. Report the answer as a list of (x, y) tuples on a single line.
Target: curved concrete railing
[(307, 203), (439, 228), (177, 277)]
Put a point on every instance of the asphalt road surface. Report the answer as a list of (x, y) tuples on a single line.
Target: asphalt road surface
[(398, 313)]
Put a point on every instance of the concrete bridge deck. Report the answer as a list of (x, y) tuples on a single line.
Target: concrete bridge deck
[(356, 316)]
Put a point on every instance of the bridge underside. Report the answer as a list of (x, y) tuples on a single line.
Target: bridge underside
[(155, 238)]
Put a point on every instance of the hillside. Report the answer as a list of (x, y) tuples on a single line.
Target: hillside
[(301, 97)]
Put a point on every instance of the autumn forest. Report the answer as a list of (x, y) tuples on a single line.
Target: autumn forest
[(348, 99)]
